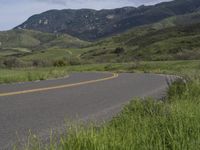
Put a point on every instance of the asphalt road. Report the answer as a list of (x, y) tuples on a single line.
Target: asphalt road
[(42, 106)]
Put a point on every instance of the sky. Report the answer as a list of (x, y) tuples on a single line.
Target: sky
[(15, 12)]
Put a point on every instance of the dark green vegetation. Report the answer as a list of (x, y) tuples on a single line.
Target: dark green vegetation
[(175, 38), (89, 24), (172, 123)]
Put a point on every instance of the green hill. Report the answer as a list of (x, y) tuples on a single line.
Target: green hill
[(26, 41), (28, 47), (173, 38)]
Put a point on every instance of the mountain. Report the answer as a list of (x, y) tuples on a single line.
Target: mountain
[(91, 25), (31, 39), (173, 38), (20, 42)]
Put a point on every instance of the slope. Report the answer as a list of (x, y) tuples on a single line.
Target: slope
[(173, 38), (91, 25)]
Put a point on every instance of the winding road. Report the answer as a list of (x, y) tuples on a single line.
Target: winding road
[(42, 106)]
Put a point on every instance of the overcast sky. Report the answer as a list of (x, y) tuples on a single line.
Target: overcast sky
[(14, 12)]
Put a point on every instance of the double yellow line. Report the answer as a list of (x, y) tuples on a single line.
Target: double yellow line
[(114, 75)]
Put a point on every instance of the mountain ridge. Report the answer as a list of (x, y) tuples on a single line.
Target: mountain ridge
[(90, 24)]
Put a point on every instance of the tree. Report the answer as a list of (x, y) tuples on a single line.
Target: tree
[(119, 50)]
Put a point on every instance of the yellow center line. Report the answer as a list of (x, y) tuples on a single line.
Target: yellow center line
[(114, 75)]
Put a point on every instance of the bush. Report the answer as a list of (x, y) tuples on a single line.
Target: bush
[(119, 50), (14, 62), (2, 64), (135, 65), (59, 63), (41, 63), (175, 50), (74, 61)]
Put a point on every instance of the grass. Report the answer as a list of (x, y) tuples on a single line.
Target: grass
[(170, 124), (30, 74), (173, 123), (50, 54), (54, 53), (163, 67), (167, 67)]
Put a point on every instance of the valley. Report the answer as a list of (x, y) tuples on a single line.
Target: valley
[(128, 77)]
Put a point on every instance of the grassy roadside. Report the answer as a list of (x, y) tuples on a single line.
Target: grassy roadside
[(31, 74), (170, 124)]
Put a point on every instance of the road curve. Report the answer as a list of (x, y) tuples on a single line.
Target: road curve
[(42, 106)]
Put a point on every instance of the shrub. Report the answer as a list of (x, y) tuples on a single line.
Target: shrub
[(74, 61), (59, 63), (41, 63), (175, 50), (135, 65), (2, 64), (14, 62), (119, 50)]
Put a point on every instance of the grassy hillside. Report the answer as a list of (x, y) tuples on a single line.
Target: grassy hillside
[(171, 39), (29, 46), (174, 38), (31, 39)]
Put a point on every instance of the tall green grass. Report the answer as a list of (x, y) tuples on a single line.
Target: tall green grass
[(30, 74), (170, 124)]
